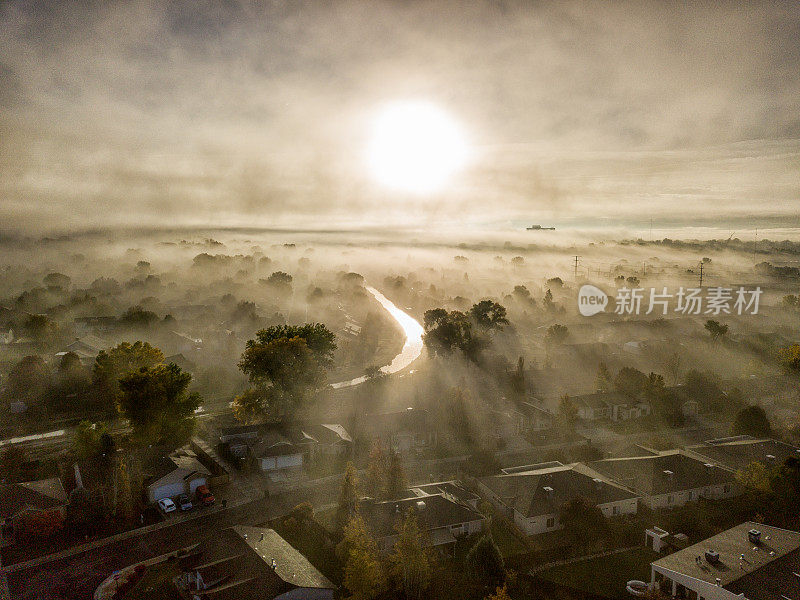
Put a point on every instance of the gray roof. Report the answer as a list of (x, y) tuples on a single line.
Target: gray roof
[(738, 575), (664, 473), (738, 452), (525, 492), (237, 562), (38, 495), (451, 489), (435, 512)]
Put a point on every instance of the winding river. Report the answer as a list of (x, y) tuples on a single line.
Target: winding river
[(411, 349)]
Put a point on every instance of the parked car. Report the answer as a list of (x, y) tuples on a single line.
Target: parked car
[(184, 503), (166, 504), (204, 496)]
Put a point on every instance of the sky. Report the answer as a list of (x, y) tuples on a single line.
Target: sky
[(227, 113)]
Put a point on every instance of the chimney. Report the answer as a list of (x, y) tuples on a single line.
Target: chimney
[(754, 535), (712, 556)]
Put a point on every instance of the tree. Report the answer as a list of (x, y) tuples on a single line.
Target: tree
[(715, 329), (409, 558), (790, 357), (630, 381), (375, 476), (156, 402), (582, 520), (88, 441), (250, 406), (28, 379), (57, 280), (446, 332), (41, 328), (348, 497), (111, 365), (751, 421), (395, 477), (501, 593), (485, 563), (489, 314), (287, 362), (603, 381), (754, 477), (567, 412), (363, 572), (138, 318), (556, 335), (673, 367)]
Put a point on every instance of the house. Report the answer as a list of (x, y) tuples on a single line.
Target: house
[(750, 561), (184, 363), (662, 541), (532, 496), (690, 408), (402, 430), (332, 439), (441, 519), (247, 563), (536, 417), (452, 490), (87, 348), (35, 508), (593, 407), (626, 411), (184, 343), (179, 472), (738, 452), (669, 479), (94, 324)]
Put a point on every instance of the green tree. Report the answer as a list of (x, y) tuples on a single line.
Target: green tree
[(363, 572), (489, 314), (630, 381), (446, 332), (42, 329), (156, 402), (582, 520), (751, 421), (375, 476), (138, 318), (715, 329), (287, 363), (410, 560), (348, 497), (250, 406), (485, 563), (790, 358), (754, 477), (396, 482), (603, 381), (111, 365), (501, 593), (556, 335), (28, 380), (87, 441), (567, 412)]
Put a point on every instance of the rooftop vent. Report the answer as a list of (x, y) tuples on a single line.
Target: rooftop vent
[(598, 483), (668, 473), (548, 490), (754, 535), (770, 457), (420, 505), (709, 466), (712, 557)]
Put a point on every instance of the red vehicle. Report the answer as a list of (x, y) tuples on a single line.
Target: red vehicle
[(204, 496)]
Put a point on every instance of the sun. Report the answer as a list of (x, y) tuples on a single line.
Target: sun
[(415, 147)]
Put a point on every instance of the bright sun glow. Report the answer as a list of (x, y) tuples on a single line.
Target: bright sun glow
[(415, 147)]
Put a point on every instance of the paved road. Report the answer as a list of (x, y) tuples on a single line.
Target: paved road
[(76, 577)]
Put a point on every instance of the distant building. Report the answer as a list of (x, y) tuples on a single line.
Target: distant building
[(402, 430), (86, 348), (671, 478), (532, 496), (751, 561), (179, 472)]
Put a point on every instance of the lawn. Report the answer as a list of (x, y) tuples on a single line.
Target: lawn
[(605, 576)]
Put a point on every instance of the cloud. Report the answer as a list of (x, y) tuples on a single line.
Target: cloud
[(210, 112)]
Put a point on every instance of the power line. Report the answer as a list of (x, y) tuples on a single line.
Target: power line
[(701, 273)]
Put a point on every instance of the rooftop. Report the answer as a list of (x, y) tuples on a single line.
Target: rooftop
[(433, 512), (663, 473), (738, 452), (43, 494), (545, 489), (768, 563)]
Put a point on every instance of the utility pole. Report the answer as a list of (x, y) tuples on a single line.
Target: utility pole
[(755, 245), (576, 267), (651, 229), (701, 273)]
